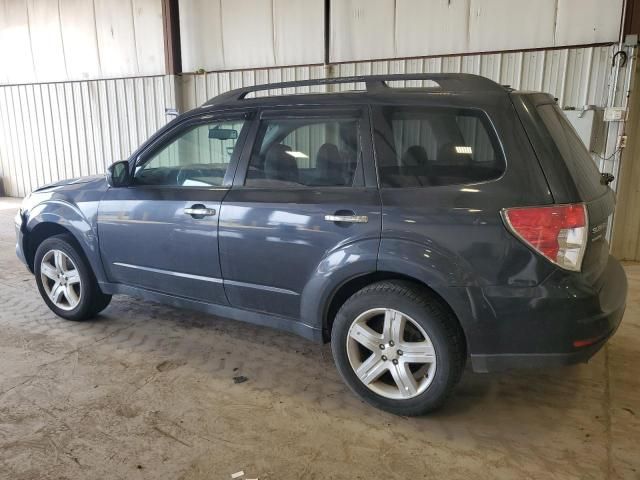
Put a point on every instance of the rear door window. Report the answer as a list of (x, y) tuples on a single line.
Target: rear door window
[(422, 147), (305, 152), (579, 162)]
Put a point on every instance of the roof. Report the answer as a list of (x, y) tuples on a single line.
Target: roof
[(447, 82)]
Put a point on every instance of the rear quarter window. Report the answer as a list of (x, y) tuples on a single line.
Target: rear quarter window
[(422, 147), (579, 163)]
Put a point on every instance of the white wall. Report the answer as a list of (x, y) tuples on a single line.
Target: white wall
[(62, 40), (232, 34), (373, 29)]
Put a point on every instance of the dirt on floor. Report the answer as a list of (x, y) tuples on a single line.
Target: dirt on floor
[(148, 392)]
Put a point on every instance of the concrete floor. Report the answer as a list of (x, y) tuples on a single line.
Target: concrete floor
[(146, 391)]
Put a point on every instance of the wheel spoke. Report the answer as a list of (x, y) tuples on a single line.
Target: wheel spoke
[(371, 369), (49, 271), (70, 295), (365, 336), (393, 328), (58, 260), (56, 292), (417, 352), (404, 379), (73, 277)]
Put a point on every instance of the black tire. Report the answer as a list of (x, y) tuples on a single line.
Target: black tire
[(92, 300), (431, 315)]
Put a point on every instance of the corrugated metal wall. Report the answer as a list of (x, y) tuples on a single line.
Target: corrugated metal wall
[(576, 76), (53, 131)]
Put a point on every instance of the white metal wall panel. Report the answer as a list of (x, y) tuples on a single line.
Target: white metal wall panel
[(227, 34), (116, 37), (362, 30), (46, 40), (149, 36), (432, 27), (78, 30), (298, 29), (247, 33), (510, 24), (16, 63), (372, 29), (53, 131), (66, 40), (201, 35), (588, 21)]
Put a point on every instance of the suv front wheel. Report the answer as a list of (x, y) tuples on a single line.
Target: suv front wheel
[(398, 347), (65, 280)]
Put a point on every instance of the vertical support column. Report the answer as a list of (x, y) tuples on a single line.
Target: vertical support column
[(329, 70), (172, 57), (625, 239)]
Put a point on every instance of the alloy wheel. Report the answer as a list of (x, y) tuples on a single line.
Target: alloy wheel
[(391, 353), (61, 279)]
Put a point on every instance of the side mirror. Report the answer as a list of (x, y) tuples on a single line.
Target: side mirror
[(118, 174)]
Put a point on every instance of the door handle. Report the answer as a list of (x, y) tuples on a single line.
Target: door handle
[(347, 218), (199, 211)]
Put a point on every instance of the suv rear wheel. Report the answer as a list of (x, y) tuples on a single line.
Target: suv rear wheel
[(398, 347), (65, 280)]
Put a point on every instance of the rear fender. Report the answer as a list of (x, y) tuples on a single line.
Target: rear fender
[(440, 270)]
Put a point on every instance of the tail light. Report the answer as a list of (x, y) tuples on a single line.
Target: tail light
[(559, 232)]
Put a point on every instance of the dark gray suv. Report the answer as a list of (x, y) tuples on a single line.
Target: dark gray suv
[(411, 227)]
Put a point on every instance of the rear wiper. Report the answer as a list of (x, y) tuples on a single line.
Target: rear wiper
[(606, 178)]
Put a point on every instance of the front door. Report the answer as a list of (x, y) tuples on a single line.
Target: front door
[(304, 202), (161, 233)]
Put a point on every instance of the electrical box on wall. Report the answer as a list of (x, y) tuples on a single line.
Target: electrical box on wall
[(614, 114), (589, 124)]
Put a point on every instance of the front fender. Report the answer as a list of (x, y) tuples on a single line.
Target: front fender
[(80, 223), (335, 269)]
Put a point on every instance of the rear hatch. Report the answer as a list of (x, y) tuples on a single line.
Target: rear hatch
[(571, 173)]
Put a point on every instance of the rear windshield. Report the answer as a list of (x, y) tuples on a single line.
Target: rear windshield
[(579, 162)]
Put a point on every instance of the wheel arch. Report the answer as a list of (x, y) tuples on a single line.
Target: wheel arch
[(47, 220), (351, 286), (36, 236)]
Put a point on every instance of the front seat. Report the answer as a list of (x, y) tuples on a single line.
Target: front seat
[(329, 166), (279, 165)]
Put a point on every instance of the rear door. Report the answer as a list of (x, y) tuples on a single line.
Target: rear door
[(304, 197)]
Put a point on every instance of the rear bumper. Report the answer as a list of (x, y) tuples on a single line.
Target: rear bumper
[(563, 321), (511, 361)]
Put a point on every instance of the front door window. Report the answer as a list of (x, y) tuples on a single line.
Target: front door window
[(199, 157)]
